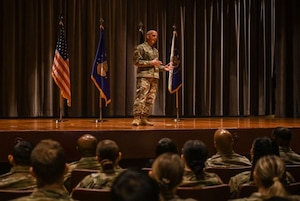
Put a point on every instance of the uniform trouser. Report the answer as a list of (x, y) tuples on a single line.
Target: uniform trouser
[(145, 96)]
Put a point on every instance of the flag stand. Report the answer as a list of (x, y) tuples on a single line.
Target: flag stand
[(177, 109), (60, 110), (100, 113)]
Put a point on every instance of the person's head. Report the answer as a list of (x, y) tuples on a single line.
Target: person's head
[(20, 155), (282, 136), (165, 145), (167, 170), (108, 154), (48, 163), (86, 145), (261, 146), (269, 176), (132, 185), (151, 37), (195, 154), (223, 141)]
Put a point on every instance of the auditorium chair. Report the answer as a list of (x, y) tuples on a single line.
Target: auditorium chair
[(13, 194), (77, 175), (245, 190), (85, 194), (294, 188), (294, 170), (208, 193), (225, 173)]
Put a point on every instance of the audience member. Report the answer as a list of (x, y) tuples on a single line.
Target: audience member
[(168, 170), (108, 155), (48, 166), (283, 136), (261, 146), (194, 154), (164, 145), (132, 185), (225, 156), (19, 177), (269, 177), (86, 146)]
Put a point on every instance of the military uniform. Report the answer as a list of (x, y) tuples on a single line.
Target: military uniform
[(244, 177), (288, 155), (260, 197), (99, 180), (147, 80), (207, 179), (170, 196), (18, 178), (84, 163), (227, 160), (44, 194)]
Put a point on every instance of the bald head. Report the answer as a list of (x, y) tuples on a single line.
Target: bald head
[(223, 141), (86, 145)]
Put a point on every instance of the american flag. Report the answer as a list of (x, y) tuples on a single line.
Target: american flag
[(60, 67)]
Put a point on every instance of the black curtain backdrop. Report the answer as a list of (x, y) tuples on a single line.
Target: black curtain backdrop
[(238, 57)]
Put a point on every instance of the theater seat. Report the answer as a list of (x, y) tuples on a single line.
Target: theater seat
[(13, 194), (294, 188), (84, 194), (208, 193), (77, 175), (294, 170), (245, 190), (225, 173)]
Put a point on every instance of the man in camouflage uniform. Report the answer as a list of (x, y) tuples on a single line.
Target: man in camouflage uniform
[(225, 156), (283, 137), (146, 59), (86, 146), (48, 166), (19, 177), (108, 155)]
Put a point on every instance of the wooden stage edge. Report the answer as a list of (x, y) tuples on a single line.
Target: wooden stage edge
[(138, 142)]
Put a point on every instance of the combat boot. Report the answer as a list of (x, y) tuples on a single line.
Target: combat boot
[(146, 122), (136, 121)]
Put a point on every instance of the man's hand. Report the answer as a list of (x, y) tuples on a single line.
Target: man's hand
[(169, 67), (155, 63)]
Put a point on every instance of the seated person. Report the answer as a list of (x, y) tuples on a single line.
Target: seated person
[(164, 145), (283, 136), (132, 185), (261, 146), (269, 177), (168, 170), (86, 146), (225, 156), (48, 165), (19, 177), (108, 155), (194, 155)]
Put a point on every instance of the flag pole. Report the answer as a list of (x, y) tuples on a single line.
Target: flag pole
[(100, 112), (177, 108), (60, 109)]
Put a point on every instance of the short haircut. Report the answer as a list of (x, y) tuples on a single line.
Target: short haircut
[(131, 185), (48, 162), (165, 145), (21, 153), (282, 133)]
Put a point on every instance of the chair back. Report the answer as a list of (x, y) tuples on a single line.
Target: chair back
[(294, 188), (245, 190), (78, 174), (85, 194), (225, 173), (208, 193), (13, 194), (294, 170)]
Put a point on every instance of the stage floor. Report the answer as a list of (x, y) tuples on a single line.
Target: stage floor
[(138, 142)]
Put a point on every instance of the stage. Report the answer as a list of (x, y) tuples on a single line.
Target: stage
[(138, 143)]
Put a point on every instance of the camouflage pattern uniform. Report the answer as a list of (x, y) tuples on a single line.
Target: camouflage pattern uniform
[(99, 180), (227, 160), (289, 156), (244, 177), (208, 179), (147, 79), (43, 194), (18, 178), (170, 196), (84, 163), (256, 196)]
